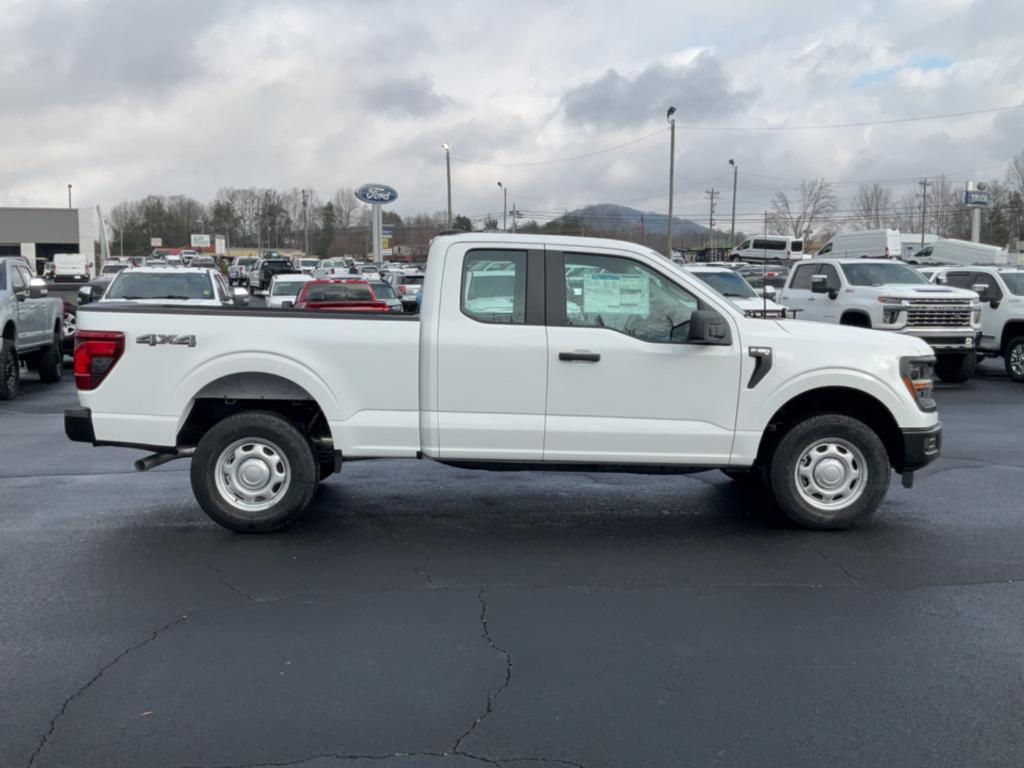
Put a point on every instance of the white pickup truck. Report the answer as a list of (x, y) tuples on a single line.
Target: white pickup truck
[(637, 367)]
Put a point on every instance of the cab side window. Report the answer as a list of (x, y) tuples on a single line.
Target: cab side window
[(826, 249), (623, 295), (494, 286), (831, 277), (802, 277), (18, 280), (959, 279), (994, 291)]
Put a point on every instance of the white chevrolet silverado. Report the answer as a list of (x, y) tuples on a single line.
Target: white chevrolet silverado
[(533, 352)]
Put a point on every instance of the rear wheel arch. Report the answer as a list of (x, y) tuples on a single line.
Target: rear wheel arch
[(9, 331), (241, 392), (844, 400)]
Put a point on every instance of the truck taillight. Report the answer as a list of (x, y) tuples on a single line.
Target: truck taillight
[(96, 353)]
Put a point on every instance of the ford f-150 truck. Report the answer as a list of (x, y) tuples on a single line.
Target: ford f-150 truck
[(639, 367), (32, 327)]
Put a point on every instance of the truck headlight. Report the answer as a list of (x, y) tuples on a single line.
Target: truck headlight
[(916, 373)]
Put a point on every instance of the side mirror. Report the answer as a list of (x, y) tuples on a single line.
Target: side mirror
[(287, 304), (37, 288), (980, 288), (769, 292), (240, 296), (84, 295), (709, 327), (819, 284)]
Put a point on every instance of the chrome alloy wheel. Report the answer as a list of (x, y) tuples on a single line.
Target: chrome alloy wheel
[(831, 474), (1017, 360), (252, 474)]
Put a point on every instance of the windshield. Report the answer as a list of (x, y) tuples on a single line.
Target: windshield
[(288, 288), (412, 279), (141, 285), (881, 274), (729, 284), (384, 290), (309, 262), (113, 269), (244, 262), (1014, 282), (339, 292)]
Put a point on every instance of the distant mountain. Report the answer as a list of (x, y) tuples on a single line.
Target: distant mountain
[(610, 217)]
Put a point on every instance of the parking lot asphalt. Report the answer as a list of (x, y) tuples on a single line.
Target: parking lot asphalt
[(428, 616)]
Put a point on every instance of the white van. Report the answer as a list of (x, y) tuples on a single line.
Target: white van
[(869, 244), (910, 244), (769, 248), (71, 266), (961, 252)]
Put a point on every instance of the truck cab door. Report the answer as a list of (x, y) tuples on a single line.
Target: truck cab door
[(482, 392), (624, 386), (797, 292), (31, 312)]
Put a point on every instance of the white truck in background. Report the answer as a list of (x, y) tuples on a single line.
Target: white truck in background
[(637, 367), (890, 296)]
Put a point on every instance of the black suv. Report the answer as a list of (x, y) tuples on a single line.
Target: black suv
[(271, 267)]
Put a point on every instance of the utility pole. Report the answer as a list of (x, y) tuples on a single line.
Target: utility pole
[(671, 175), (504, 207), (712, 195), (732, 227), (448, 173), (305, 219), (924, 205), (514, 215), (69, 197), (643, 233)]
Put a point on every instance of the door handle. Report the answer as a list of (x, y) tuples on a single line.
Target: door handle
[(582, 357)]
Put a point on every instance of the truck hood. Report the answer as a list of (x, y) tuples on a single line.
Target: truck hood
[(836, 336), (922, 292)]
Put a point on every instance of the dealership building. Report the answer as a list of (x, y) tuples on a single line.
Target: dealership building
[(38, 233)]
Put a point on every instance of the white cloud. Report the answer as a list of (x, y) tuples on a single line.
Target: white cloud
[(124, 97)]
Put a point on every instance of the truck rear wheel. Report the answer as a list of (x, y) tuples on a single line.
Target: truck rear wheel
[(829, 471), (10, 370), (254, 472), (50, 361), (1013, 356), (956, 369)]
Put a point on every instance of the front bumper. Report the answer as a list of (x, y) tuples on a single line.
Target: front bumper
[(921, 447), (947, 339)]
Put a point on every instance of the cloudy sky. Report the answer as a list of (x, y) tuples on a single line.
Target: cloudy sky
[(127, 97)]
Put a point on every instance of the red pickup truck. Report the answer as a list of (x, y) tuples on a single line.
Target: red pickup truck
[(343, 295)]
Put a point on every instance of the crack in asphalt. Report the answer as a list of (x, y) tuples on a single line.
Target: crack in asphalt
[(89, 683), (237, 590), (840, 566), (420, 570), (493, 695)]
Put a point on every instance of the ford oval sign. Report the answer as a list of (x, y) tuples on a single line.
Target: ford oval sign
[(376, 193)]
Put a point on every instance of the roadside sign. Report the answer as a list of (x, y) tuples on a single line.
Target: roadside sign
[(976, 194), (156, 242), (386, 240), (376, 194), (200, 241), (220, 245)]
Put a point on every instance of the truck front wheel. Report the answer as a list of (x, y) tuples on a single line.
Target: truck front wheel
[(956, 369), (254, 472), (829, 471), (1014, 358)]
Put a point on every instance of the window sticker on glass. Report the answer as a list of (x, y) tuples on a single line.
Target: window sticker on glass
[(616, 294)]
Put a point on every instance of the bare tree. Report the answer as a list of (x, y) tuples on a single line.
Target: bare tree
[(872, 206), (345, 206), (1015, 175), (811, 209)]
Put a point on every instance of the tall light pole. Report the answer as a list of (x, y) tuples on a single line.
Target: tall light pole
[(732, 228), (305, 220), (669, 116), (448, 173), (504, 207), (69, 196)]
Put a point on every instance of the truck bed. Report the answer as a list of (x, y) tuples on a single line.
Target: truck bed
[(365, 379)]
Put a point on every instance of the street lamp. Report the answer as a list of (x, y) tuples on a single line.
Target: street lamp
[(504, 208), (732, 229), (448, 173), (669, 116)]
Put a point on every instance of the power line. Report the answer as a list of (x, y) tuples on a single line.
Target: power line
[(604, 151)]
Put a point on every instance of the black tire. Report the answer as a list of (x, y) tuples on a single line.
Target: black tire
[(50, 361), (1013, 357), (264, 428), (956, 369), (10, 371), (792, 494)]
